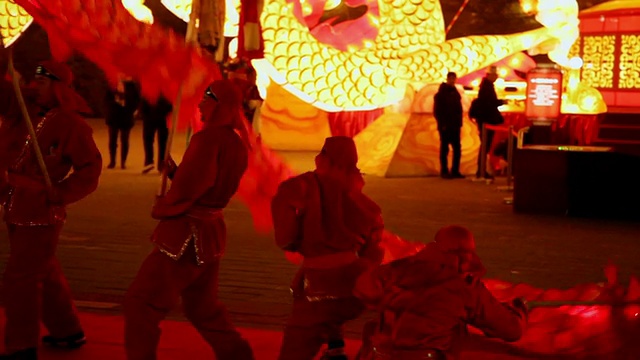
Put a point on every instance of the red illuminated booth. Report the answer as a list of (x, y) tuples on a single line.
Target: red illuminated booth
[(569, 180), (609, 45)]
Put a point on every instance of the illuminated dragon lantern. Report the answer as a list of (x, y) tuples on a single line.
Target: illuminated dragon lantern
[(340, 58), (409, 47), (359, 55)]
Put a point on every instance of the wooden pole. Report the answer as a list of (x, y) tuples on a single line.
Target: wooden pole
[(455, 18), (190, 39), (27, 120)]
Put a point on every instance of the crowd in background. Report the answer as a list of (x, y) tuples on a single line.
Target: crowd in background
[(123, 105)]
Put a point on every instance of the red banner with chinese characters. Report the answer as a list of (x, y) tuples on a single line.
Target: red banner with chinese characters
[(544, 94)]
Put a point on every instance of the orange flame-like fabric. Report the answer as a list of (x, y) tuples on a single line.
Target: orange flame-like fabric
[(105, 33)]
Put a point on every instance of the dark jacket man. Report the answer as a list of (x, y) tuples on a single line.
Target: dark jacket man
[(447, 109)]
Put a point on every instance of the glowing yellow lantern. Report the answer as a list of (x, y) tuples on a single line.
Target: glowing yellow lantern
[(332, 4), (307, 8), (589, 103), (609, 45), (410, 47), (182, 9), (137, 9), (528, 6), (233, 48)]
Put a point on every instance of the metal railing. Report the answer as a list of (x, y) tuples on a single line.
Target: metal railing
[(484, 151), (513, 138)]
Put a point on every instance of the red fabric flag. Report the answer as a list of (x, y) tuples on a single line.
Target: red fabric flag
[(575, 331), (105, 33), (250, 43), (260, 182)]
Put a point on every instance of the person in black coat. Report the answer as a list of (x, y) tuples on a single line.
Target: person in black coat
[(486, 110), (120, 105), (447, 109), (154, 120)]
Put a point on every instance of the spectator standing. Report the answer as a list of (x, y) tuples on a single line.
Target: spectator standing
[(447, 109), (154, 121), (120, 105), (484, 110)]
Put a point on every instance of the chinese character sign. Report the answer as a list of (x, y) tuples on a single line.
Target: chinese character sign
[(544, 94)]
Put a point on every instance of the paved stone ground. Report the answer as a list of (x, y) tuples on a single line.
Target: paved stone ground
[(106, 238), (179, 341)]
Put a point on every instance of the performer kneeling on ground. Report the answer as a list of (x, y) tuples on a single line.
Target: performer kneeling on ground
[(426, 301), (324, 216), (191, 236)]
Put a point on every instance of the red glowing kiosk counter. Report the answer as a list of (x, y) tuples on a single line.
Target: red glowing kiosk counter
[(556, 177), (609, 44), (555, 101)]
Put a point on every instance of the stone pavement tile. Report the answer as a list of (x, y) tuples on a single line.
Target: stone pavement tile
[(180, 341)]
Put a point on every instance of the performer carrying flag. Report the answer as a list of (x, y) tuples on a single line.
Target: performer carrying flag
[(34, 287), (190, 238)]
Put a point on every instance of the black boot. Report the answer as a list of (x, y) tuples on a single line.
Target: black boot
[(70, 342), (335, 351), (147, 168), (26, 354), (112, 157)]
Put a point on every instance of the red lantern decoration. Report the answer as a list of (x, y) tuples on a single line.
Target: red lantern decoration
[(250, 43), (609, 45)]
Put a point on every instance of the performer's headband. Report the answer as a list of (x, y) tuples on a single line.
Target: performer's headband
[(210, 94), (40, 70)]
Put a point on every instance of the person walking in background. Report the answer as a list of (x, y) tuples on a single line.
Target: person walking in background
[(154, 121), (485, 111), (120, 105), (447, 109)]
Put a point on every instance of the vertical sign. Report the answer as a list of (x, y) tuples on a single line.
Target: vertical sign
[(544, 94)]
